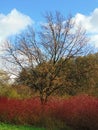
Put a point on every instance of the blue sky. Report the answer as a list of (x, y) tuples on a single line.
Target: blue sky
[(15, 15), (35, 8)]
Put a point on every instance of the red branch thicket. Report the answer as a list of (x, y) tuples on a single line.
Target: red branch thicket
[(78, 112)]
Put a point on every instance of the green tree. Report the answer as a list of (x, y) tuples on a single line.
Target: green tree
[(81, 73), (4, 78)]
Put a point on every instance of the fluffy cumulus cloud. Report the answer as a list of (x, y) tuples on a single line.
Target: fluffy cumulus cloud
[(13, 23), (90, 23)]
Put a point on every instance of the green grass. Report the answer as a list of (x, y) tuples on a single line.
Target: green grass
[(14, 127)]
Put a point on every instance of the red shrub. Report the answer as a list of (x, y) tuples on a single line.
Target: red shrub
[(79, 112)]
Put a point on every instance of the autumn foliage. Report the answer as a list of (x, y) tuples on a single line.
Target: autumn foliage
[(79, 112)]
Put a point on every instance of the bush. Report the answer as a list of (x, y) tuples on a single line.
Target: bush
[(78, 112), (54, 124), (9, 91), (18, 92)]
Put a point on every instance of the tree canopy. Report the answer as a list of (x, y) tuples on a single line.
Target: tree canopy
[(47, 52)]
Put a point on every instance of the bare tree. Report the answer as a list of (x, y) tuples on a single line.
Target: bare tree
[(59, 38)]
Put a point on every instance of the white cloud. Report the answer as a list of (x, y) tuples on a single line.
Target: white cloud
[(90, 23), (13, 23)]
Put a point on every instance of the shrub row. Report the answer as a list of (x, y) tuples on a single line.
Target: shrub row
[(78, 112)]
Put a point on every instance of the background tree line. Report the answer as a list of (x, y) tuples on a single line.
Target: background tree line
[(79, 74)]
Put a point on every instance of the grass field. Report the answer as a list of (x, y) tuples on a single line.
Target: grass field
[(14, 127)]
